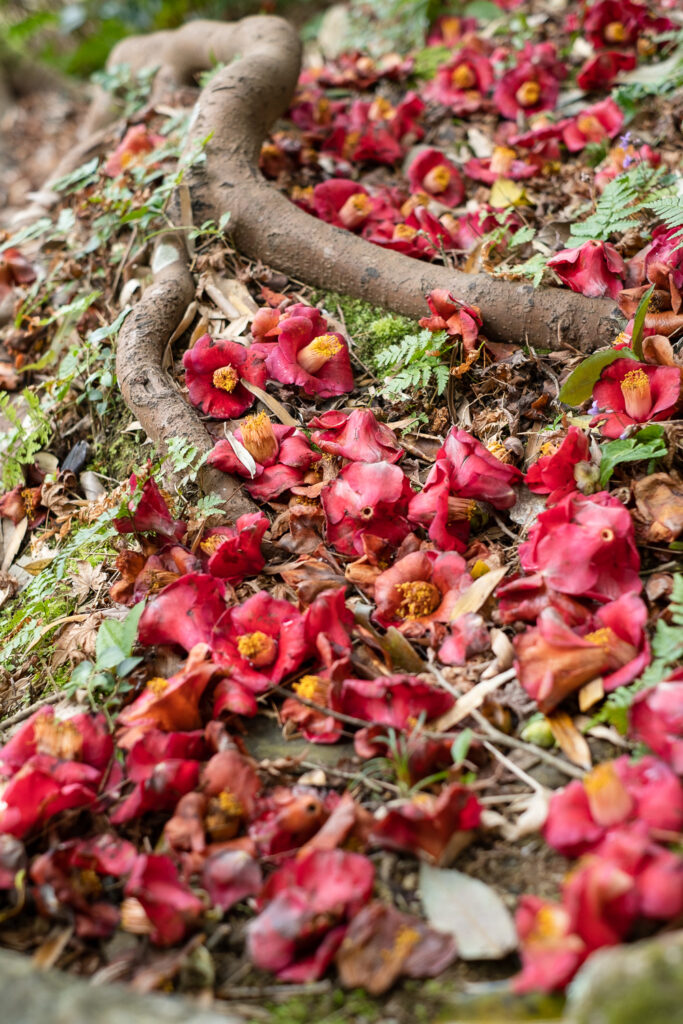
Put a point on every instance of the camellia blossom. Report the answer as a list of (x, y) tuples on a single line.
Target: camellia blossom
[(213, 370), (613, 793), (234, 552), (585, 546), (550, 949), (620, 23), (630, 392), (434, 827), (453, 316), (132, 150), (14, 269), (525, 597), (392, 701), (420, 588), (315, 361), (342, 202), (167, 902), (553, 474), (282, 455), (553, 661), (357, 436), (151, 514), (656, 718), (366, 498), (503, 163), (307, 904), (433, 173), (600, 71), (526, 88), (164, 766), (594, 124), (463, 83), (594, 269)]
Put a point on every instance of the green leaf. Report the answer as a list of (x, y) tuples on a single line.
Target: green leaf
[(638, 322), (461, 746), (579, 384), (648, 443), (127, 665), (129, 633), (109, 646), (484, 10)]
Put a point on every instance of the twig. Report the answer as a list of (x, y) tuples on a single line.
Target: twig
[(511, 741), (377, 784), (27, 712), (312, 988), (512, 767)]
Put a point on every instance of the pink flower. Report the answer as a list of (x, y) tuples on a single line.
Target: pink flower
[(503, 163), (420, 588), (170, 906), (629, 392), (664, 259), (307, 904), (429, 826), (462, 83), (229, 876), (357, 436), (315, 361), (282, 455), (433, 173), (213, 370), (234, 552), (525, 597), (526, 88), (342, 202), (594, 124), (453, 316), (366, 498), (593, 269), (131, 151), (550, 949), (150, 514), (621, 23), (553, 474), (392, 701), (585, 546), (656, 718), (600, 71)]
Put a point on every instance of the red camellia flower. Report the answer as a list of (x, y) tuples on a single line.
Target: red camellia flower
[(229, 876), (151, 514), (431, 826), (594, 124), (585, 546), (213, 369), (600, 71), (593, 269), (453, 316), (366, 498), (448, 29), (503, 163), (620, 23), (169, 905), (233, 552), (629, 392), (392, 701), (315, 361), (550, 949), (431, 172), (462, 83), (164, 766), (525, 597), (308, 904), (663, 262), (357, 436), (613, 793), (656, 718), (342, 202), (131, 151), (282, 456), (553, 473), (420, 588), (14, 269), (657, 873), (81, 737), (554, 661), (44, 787), (526, 88)]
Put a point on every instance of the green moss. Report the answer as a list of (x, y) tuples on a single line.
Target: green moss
[(118, 452), (371, 328)]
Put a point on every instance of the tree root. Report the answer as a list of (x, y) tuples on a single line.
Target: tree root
[(235, 111)]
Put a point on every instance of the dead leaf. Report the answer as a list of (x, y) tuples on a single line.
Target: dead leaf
[(591, 693), (568, 738), (12, 536), (471, 700), (401, 653), (277, 408), (478, 593), (472, 912), (49, 952), (87, 578), (659, 499)]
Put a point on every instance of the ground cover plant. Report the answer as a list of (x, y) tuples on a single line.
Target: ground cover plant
[(341, 593)]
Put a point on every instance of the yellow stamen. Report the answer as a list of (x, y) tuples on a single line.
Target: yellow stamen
[(528, 94), (460, 509), (225, 378), (157, 685), (499, 451), (380, 110), (211, 544), (618, 652), (501, 160), (621, 339), (602, 637), (314, 356), (258, 437), (29, 498), (635, 387), (437, 180), (307, 687), (463, 77), (551, 923), (355, 210), (615, 32), (548, 448), (58, 739), (480, 568), (450, 30), (589, 125), (257, 648), (404, 233), (404, 941), (418, 598), (229, 804)]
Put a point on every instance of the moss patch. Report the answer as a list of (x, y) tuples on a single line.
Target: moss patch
[(370, 327)]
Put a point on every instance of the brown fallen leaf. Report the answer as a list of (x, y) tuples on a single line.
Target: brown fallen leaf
[(568, 738), (659, 499)]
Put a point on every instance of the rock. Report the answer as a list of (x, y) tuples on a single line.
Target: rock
[(30, 996), (630, 984), (333, 31)]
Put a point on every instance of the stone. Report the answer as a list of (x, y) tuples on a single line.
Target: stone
[(334, 31), (633, 984), (30, 996)]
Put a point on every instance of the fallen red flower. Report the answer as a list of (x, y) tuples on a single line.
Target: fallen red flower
[(342, 202), (14, 269), (613, 793), (357, 436), (213, 371), (150, 513), (131, 151), (503, 163), (551, 951), (585, 546), (462, 83), (289, 817), (657, 872), (449, 29), (526, 89), (366, 498), (315, 361), (186, 613), (656, 718), (468, 635), (229, 876), (163, 766), (433, 173), (436, 827), (170, 906), (525, 597), (234, 552), (620, 23), (594, 269), (420, 588), (307, 904), (282, 456), (42, 788), (392, 701), (630, 392), (600, 71), (453, 316), (601, 121), (553, 474), (82, 737)]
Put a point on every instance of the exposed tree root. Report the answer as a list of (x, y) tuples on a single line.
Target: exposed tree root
[(236, 109)]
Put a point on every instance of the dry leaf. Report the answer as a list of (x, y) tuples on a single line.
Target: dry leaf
[(277, 408), (87, 578), (472, 912), (478, 593), (591, 693), (568, 738)]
